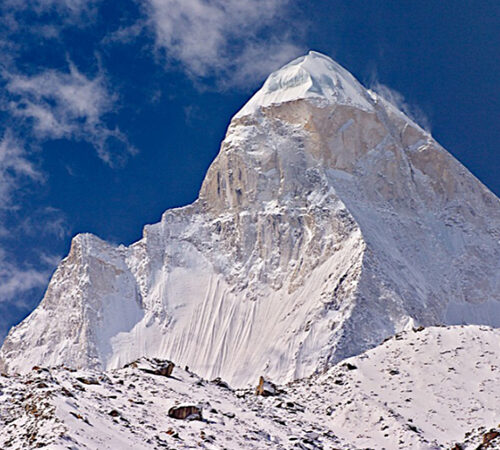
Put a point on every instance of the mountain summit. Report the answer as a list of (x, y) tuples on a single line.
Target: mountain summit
[(328, 221), (313, 76)]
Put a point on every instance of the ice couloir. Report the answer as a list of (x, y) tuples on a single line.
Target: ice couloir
[(328, 221)]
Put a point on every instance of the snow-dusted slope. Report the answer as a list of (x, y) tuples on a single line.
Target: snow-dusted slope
[(420, 390), (328, 221)]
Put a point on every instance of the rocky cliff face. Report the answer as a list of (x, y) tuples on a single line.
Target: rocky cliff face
[(328, 221)]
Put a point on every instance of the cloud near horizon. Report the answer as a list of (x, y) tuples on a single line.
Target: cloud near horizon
[(15, 281)]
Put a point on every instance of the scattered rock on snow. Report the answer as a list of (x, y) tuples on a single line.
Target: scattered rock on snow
[(164, 369), (80, 417), (480, 439), (66, 392), (290, 406), (173, 433)]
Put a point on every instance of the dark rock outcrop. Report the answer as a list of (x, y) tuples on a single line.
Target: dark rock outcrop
[(266, 388), (185, 412), (153, 366)]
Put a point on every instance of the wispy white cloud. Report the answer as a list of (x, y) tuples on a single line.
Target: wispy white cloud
[(16, 172), (50, 260), (45, 221), (21, 286), (15, 280), (28, 19), (236, 41), (18, 175), (258, 61), (398, 100), (68, 105), (126, 33), (71, 7), (41, 103), (15, 169)]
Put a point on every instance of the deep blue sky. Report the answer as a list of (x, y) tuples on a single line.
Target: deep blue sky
[(111, 112)]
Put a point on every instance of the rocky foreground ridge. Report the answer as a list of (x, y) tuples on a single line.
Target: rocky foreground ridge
[(328, 222), (434, 388)]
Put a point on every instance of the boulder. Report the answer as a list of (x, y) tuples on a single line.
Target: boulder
[(349, 366), (266, 388), (161, 367), (488, 437), (153, 366), (185, 412), (87, 380), (221, 383)]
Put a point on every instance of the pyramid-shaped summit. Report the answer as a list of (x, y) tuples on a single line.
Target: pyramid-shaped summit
[(315, 77), (328, 221)]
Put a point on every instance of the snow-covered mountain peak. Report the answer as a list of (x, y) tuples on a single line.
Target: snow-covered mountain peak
[(328, 221), (313, 76)]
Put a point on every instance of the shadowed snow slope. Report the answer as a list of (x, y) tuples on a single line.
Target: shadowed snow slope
[(328, 221)]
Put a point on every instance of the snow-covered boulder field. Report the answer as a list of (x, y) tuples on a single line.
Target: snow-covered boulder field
[(428, 388)]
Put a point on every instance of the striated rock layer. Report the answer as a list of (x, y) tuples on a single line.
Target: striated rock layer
[(328, 221)]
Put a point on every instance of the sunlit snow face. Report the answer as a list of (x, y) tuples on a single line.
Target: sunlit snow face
[(288, 78), (313, 72)]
